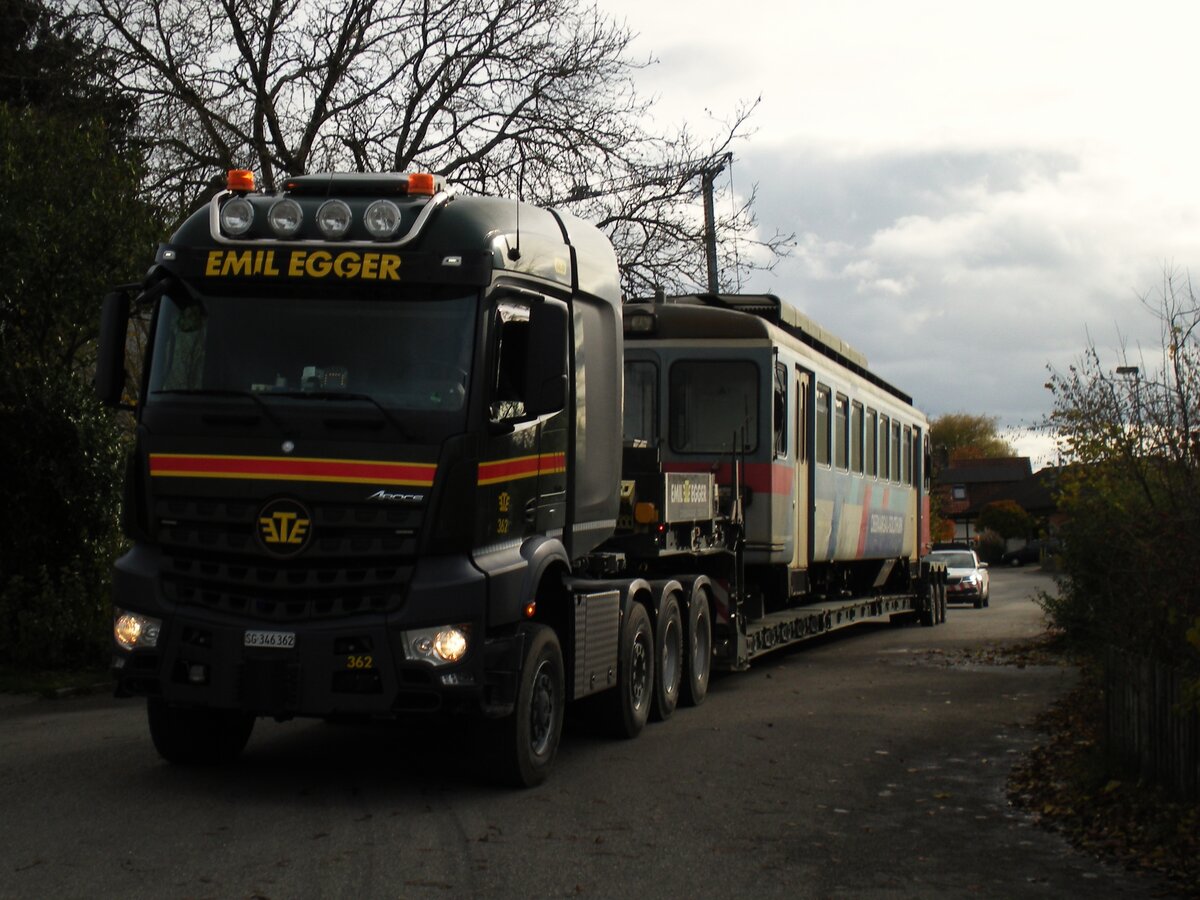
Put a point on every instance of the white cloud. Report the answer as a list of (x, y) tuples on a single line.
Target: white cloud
[(976, 188)]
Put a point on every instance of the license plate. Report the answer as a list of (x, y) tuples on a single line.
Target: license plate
[(281, 640)]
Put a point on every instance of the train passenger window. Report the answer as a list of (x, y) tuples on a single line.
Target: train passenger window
[(885, 455), (871, 430), (841, 431), (895, 451), (713, 406), (779, 410), (927, 472), (856, 437), (907, 465), (641, 403), (823, 397)]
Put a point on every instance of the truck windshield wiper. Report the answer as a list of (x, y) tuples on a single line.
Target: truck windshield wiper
[(347, 395), (226, 392)]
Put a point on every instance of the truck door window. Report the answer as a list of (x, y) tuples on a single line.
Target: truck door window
[(510, 346), (714, 406)]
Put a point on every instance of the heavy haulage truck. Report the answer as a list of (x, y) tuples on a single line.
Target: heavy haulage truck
[(401, 450)]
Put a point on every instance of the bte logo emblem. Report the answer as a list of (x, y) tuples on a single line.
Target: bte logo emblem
[(284, 527)]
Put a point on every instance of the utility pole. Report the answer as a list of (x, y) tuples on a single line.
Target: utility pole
[(707, 175)]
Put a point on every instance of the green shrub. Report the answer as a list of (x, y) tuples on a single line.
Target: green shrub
[(60, 532)]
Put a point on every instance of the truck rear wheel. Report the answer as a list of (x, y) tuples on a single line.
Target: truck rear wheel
[(628, 704), (697, 657), (668, 640), (197, 736), (525, 743)]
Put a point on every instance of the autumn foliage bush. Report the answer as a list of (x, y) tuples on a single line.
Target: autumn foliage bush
[(1131, 495)]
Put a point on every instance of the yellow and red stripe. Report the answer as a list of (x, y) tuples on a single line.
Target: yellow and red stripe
[(499, 470), (288, 468)]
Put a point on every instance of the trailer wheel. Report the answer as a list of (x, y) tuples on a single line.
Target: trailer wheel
[(697, 652), (526, 742), (668, 641), (934, 612), (628, 704), (197, 736)]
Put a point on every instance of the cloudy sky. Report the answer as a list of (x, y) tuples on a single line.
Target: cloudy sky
[(975, 188)]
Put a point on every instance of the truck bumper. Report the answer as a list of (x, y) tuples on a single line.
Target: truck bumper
[(349, 666)]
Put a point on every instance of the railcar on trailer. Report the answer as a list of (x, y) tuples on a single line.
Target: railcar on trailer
[(824, 463)]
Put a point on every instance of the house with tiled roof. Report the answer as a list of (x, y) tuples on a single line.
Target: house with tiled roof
[(968, 485)]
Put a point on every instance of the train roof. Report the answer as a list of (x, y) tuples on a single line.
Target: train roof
[(732, 316)]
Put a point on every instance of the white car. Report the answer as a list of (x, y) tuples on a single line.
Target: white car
[(966, 576)]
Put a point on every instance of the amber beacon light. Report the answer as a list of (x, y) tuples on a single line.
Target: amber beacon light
[(240, 180)]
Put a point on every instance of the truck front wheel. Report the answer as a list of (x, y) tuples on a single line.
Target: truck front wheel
[(526, 742), (197, 736)]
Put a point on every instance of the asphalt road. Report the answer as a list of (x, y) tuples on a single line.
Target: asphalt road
[(867, 765)]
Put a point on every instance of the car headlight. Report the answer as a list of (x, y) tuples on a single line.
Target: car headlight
[(133, 631), (441, 646)]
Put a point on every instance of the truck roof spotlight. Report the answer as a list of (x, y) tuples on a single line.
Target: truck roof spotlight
[(285, 217), (333, 218), (237, 215), (382, 219)]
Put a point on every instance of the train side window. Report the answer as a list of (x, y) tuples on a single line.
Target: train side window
[(885, 455), (856, 438), (779, 410), (841, 431), (872, 435), (907, 465), (895, 451), (823, 398), (927, 473)]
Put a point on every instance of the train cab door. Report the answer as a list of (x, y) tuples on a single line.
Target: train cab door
[(801, 484)]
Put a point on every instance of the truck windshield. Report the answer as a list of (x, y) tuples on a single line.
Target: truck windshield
[(406, 354)]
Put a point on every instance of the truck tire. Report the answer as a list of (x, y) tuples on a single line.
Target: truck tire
[(668, 642), (193, 737), (525, 743), (627, 706), (697, 656)]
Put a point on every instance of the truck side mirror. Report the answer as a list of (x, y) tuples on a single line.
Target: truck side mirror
[(546, 364), (109, 381)]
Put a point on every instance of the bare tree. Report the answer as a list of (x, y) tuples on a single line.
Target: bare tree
[(528, 97)]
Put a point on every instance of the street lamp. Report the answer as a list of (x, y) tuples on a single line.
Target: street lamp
[(1134, 372)]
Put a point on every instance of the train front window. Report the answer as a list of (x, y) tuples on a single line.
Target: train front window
[(714, 406), (641, 403)]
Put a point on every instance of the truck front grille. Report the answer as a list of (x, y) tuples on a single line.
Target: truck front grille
[(360, 560)]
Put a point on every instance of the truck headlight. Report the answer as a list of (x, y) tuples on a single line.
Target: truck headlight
[(441, 646), (133, 630)]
